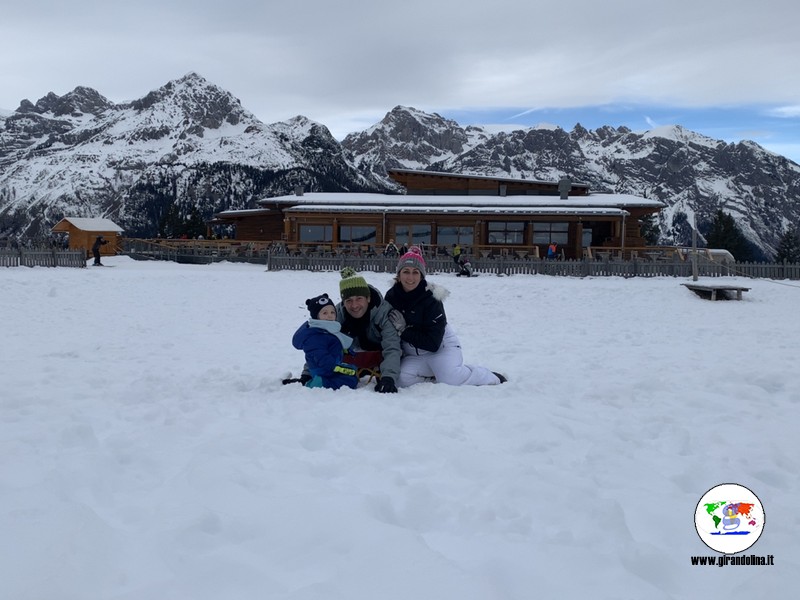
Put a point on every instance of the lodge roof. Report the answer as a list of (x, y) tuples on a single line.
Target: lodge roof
[(248, 212), (98, 224), (348, 201), (438, 209)]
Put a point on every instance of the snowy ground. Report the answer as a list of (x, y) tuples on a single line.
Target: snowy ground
[(148, 450)]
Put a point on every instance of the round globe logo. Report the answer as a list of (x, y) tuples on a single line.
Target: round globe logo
[(729, 518)]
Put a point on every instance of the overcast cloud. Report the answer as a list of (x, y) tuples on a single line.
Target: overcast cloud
[(345, 63)]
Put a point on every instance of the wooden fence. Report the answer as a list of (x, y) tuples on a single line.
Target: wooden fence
[(535, 266), (499, 265), (45, 257)]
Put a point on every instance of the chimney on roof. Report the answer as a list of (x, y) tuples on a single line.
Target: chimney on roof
[(564, 187), (298, 190)]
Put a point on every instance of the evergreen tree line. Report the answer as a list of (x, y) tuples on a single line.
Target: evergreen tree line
[(723, 233), (789, 247)]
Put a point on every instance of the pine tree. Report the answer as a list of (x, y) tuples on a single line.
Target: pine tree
[(650, 229), (789, 247), (725, 234)]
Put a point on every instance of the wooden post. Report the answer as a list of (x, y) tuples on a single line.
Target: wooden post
[(694, 249)]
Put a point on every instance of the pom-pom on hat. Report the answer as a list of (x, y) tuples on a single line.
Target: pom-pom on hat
[(317, 304), (413, 258), (353, 284)]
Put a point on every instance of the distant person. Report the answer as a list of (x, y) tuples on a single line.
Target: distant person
[(456, 254), (324, 345), (464, 267), (431, 349), (100, 241), (552, 251), (391, 249)]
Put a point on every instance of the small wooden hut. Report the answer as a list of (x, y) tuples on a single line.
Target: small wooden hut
[(83, 231)]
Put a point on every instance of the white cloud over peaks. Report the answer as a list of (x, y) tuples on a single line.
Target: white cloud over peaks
[(345, 64), (786, 112)]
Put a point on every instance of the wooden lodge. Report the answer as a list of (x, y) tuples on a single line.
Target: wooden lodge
[(83, 231), (485, 215)]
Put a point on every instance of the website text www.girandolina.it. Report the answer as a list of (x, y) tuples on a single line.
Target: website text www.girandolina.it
[(721, 561)]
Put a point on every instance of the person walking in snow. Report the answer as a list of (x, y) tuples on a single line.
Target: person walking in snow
[(324, 345), (100, 241), (431, 348)]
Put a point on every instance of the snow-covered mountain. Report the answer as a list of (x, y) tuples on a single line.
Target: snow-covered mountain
[(186, 148), (189, 149), (692, 174)]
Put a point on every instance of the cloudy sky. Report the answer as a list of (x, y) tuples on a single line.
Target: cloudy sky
[(724, 68)]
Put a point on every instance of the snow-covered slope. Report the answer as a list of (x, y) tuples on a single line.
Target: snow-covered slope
[(160, 458)]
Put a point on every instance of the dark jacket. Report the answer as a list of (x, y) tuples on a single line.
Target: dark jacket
[(323, 352), (424, 315), (98, 242)]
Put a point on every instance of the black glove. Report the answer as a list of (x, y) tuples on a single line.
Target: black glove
[(302, 380), (397, 319), (386, 385)]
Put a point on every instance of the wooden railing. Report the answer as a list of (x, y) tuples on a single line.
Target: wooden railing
[(196, 251)]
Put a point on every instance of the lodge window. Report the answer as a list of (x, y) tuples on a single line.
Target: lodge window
[(316, 233), (547, 233), (511, 232), (412, 234), (357, 234), (447, 236)]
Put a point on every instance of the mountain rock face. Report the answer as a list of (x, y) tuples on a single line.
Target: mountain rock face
[(185, 150), (189, 149), (692, 174)]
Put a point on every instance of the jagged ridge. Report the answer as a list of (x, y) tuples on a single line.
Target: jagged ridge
[(190, 148)]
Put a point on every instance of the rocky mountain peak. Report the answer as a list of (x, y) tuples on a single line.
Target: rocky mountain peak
[(195, 101), (407, 138), (81, 100)]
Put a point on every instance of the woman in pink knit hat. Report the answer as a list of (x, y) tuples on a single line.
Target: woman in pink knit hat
[(430, 347)]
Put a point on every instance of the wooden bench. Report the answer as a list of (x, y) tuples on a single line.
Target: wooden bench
[(710, 291)]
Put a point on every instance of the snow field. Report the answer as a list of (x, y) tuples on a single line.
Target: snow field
[(148, 449)]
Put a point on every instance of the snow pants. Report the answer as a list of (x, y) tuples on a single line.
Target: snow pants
[(446, 365)]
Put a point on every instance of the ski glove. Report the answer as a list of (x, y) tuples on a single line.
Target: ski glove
[(303, 379), (386, 386), (397, 319)]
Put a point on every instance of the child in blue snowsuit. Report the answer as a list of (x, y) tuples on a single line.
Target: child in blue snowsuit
[(324, 345)]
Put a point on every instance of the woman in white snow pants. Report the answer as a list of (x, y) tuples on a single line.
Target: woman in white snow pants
[(431, 350), (446, 365)]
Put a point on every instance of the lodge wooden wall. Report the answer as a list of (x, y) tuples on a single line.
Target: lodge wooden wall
[(260, 228), (437, 184)]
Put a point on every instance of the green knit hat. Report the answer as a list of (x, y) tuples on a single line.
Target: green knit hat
[(353, 284)]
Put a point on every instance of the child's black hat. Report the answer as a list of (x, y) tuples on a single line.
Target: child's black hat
[(317, 304)]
